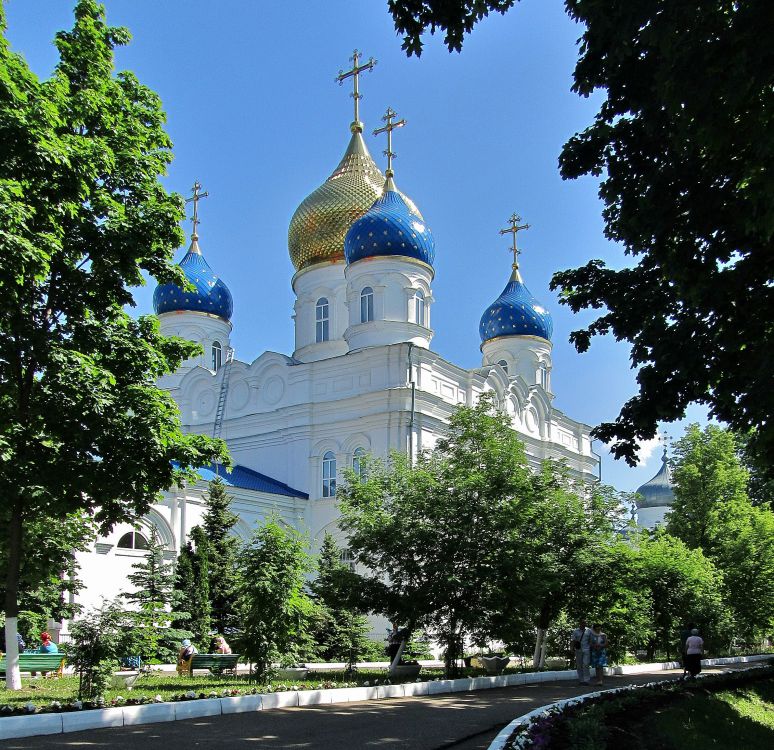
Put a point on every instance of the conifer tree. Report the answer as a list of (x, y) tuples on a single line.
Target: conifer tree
[(339, 632), (192, 585), (156, 601), (222, 548)]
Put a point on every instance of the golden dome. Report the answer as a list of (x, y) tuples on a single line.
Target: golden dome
[(320, 223)]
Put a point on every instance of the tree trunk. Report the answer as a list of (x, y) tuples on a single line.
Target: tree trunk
[(539, 648), (12, 675)]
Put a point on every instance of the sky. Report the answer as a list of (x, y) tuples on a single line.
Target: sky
[(256, 116)]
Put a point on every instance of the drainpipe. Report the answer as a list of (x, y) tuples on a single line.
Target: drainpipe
[(599, 461), (413, 402)]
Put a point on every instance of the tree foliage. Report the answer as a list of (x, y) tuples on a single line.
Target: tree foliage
[(156, 605), (83, 215), (339, 632), (682, 143), (221, 550), (713, 512), (193, 588), (273, 606)]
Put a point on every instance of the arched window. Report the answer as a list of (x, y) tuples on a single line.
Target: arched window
[(366, 305), (217, 355), (543, 375), (322, 320), (133, 540), (419, 307), (329, 475), (504, 365), (347, 558), (358, 464)]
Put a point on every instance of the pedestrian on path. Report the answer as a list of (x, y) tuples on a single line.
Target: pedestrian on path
[(694, 648), (598, 652), (581, 642)]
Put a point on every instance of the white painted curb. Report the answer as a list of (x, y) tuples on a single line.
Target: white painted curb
[(149, 713)]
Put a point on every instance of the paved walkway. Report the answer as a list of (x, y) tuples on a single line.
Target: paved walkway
[(460, 721)]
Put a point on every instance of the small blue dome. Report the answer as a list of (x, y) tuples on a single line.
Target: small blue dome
[(211, 295), (389, 228), (515, 313), (657, 492)]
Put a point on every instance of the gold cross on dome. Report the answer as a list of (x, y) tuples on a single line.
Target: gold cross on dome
[(665, 438), (388, 128), (514, 229), (195, 198), (354, 73)]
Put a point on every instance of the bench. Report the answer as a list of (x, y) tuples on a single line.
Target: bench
[(216, 663), (37, 663)]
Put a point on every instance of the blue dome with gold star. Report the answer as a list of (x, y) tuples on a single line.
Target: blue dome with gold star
[(210, 294), (389, 227), (515, 313)]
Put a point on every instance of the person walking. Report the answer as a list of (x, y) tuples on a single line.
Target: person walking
[(694, 648), (581, 642), (598, 652), (684, 635)]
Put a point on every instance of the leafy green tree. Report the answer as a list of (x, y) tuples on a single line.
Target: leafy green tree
[(273, 607), (222, 548), (445, 541), (713, 512), (156, 601), (339, 633), (193, 589), (682, 143), (82, 425)]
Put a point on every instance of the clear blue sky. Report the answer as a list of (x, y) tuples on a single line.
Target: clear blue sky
[(255, 115)]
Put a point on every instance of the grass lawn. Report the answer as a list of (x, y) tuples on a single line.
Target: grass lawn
[(741, 718), (168, 685)]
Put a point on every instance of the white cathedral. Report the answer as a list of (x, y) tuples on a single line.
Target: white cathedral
[(361, 379)]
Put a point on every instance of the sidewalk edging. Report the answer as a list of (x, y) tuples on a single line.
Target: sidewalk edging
[(73, 721)]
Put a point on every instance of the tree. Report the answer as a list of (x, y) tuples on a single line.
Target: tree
[(222, 547), (193, 588), (446, 541), (82, 425), (713, 512), (681, 140), (340, 633), (156, 601), (273, 607)]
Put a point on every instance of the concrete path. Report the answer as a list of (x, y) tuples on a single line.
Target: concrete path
[(460, 721)]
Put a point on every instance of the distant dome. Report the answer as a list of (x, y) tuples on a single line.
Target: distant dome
[(390, 227), (319, 225), (657, 492), (515, 313), (210, 295)]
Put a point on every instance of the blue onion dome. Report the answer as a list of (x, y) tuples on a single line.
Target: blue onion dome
[(657, 492), (210, 294), (390, 227), (515, 313)]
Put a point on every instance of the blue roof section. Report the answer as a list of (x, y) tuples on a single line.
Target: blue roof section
[(210, 294), (515, 313), (389, 228), (241, 476)]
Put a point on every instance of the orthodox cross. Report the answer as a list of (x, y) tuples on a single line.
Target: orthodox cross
[(355, 73), (388, 128), (665, 438), (195, 198), (514, 229)]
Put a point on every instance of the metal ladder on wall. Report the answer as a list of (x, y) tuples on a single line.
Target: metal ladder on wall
[(221, 410)]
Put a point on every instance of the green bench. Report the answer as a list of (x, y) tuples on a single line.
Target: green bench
[(216, 663), (37, 663)]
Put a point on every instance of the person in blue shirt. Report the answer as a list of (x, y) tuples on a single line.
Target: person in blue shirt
[(47, 646)]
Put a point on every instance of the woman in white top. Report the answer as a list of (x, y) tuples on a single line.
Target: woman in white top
[(694, 648)]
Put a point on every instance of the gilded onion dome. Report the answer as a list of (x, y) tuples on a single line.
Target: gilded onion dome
[(321, 222)]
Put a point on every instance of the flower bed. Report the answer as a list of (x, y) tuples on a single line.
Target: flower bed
[(592, 716)]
